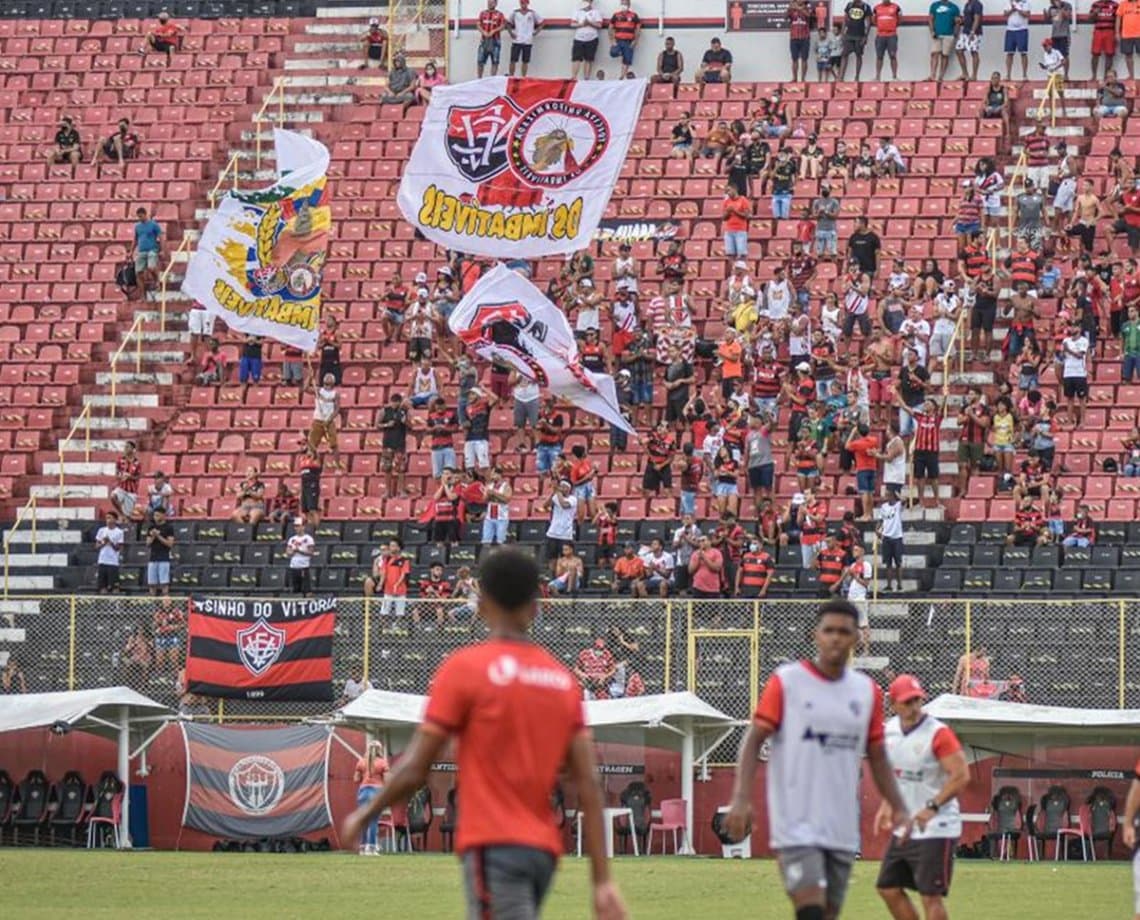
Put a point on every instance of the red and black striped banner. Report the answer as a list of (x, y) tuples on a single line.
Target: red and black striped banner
[(248, 783), (261, 649)]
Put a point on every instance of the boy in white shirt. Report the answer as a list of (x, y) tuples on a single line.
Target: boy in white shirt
[(109, 540), (1052, 62), (586, 22)]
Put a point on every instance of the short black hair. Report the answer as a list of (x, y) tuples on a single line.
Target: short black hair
[(839, 606), (509, 578)]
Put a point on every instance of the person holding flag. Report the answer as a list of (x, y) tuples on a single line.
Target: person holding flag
[(931, 770), (516, 714)]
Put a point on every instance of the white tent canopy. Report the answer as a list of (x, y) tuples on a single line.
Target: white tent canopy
[(119, 713), (383, 709), (1017, 728), (676, 721)]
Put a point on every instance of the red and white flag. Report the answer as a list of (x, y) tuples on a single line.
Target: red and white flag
[(519, 165), (505, 318)]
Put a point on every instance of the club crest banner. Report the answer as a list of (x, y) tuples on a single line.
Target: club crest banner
[(258, 264), (519, 165), (505, 318), (261, 649), (248, 783)]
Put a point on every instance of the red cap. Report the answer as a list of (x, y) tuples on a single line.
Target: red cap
[(1047, 43), (906, 687)]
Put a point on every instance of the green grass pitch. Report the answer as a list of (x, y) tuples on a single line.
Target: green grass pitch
[(61, 884)]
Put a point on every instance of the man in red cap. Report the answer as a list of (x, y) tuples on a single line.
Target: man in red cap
[(931, 770)]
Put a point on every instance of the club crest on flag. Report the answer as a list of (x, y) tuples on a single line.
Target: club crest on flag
[(499, 327), (259, 646), (256, 784), (478, 137), (557, 141)]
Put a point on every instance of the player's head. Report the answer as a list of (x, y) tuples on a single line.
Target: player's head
[(836, 627), (508, 583)]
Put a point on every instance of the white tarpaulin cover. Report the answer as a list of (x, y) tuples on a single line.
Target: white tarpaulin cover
[(379, 709), (98, 711), (677, 709), (1005, 726)]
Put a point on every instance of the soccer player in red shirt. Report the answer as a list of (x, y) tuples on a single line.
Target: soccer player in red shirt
[(516, 714), (822, 717)]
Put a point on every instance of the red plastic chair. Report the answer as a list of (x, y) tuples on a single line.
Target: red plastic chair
[(1083, 830), (674, 818)]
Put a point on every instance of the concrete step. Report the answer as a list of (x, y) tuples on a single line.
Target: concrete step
[(330, 46), (30, 583), (871, 662), (318, 99), (918, 513), (1069, 92), (41, 560), (314, 80), (123, 400), (1072, 111), (79, 468), (963, 379), (879, 636), (111, 445), (106, 423), (159, 379), (83, 513), (164, 357), (11, 607), (45, 537), (348, 11), (70, 491), (1015, 151), (12, 634), (889, 610)]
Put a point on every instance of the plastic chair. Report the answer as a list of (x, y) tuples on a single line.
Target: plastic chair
[(1083, 831), (32, 805), (100, 823), (674, 818), (387, 823), (1102, 814), (1054, 816), (1006, 821), (70, 798)]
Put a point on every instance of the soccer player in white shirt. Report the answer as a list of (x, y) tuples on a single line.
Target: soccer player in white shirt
[(821, 717), (1130, 832), (931, 769)]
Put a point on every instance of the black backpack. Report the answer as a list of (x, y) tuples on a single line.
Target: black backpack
[(125, 278)]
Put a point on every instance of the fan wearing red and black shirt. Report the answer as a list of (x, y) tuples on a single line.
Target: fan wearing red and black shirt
[(435, 587), (1028, 525), (515, 713), (1102, 14), (660, 449), (928, 425), (165, 38), (800, 21), (491, 24)]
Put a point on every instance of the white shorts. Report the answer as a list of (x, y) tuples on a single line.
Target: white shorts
[(862, 606), (1066, 195), (394, 605), (201, 322), (972, 43), (477, 454), (1040, 176)]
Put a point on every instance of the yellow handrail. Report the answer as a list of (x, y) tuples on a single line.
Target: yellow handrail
[(29, 507), (134, 331), (1053, 88), (992, 248), (1019, 171), (957, 338), (278, 90), (84, 415)]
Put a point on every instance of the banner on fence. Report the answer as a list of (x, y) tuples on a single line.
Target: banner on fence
[(519, 165), (261, 649), (258, 264), (248, 783), (507, 319)]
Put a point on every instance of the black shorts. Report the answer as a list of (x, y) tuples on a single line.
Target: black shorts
[(554, 547), (375, 52), (653, 479), (311, 497), (983, 315), (924, 866), (1122, 226), (892, 552), (800, 48), (1061, 43), (107, 578), (301, 580), (763, 476), (445, 531), (520, 52), (159, 45), (1075, 387), (675, 409), (1021, 538), (854, 44), (1085, 232), (926, 464), (584, 51)]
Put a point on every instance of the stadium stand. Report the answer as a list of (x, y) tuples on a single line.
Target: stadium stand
[(72, 394)]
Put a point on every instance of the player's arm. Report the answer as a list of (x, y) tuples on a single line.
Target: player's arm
[(1131, 809), (583, 771)]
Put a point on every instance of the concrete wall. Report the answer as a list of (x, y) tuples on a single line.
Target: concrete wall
[(758, 56)]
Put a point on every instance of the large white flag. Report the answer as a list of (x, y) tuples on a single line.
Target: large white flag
[(258, 264), (505, 318), (519, 165)]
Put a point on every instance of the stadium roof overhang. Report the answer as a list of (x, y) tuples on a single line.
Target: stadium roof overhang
[(1020, 728)]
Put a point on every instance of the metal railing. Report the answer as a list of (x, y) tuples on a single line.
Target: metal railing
[(134, 332), (1019, 172), (1055, 652), (278, 92), (29, 508), (84, 416), (1054, 86), (992, 249)]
